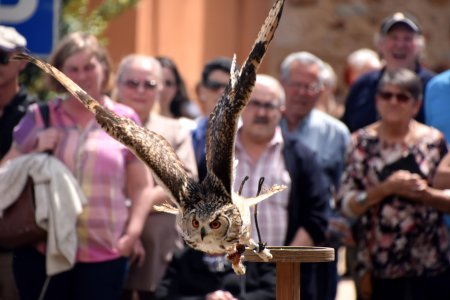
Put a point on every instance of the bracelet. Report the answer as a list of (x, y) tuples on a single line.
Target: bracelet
[(345, 206)]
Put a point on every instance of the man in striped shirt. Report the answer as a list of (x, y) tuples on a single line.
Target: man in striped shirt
[(296, 216)]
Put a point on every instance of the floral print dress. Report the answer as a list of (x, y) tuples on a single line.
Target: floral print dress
[(396, 237)]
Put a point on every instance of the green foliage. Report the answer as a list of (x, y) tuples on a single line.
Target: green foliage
[(77, 15)]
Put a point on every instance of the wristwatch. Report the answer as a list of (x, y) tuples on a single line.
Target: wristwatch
[(361, 198)]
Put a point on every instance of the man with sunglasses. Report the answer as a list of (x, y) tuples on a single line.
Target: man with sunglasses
[(14, 101), (400, 43), (215, 77)]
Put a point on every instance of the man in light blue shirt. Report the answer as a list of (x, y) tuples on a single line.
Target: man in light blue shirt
[(437, 106), (302, 76)]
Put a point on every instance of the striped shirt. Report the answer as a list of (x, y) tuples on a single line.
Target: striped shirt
[(272, 212), (99, 163)]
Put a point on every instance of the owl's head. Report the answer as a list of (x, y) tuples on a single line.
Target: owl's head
[(212, 231)]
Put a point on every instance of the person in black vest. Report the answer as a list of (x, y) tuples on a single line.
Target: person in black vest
[(14, 101)]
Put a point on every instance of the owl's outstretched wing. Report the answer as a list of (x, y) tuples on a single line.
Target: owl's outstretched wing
[(224, 118), (150, 147)]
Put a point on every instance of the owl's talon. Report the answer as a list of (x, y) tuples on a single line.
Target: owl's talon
[(239, 268), (263, 252), (260, 247), (236, 260)]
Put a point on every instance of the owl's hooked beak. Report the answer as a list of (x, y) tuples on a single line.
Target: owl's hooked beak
[(202, 233)]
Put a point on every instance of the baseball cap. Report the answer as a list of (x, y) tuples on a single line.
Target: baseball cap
[(400, 18), (10, 39)]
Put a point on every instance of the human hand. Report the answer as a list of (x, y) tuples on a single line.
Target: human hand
[(126, 244), (137, 255), (47, 139), (406, 184), (220, 295), (343, 230)]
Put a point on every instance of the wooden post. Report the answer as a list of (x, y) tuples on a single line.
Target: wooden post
[(288, 276), (288, 260)]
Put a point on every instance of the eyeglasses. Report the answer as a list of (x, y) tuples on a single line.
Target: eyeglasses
[(214, 85), (146, 84), (4, 58), (310, 88), (265, 105), (387, 96)]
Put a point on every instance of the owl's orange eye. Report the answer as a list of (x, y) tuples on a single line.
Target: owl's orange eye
[(214, 224), (195, 223)]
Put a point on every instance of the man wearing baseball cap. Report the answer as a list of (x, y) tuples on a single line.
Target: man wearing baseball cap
[(14, 102), (400, 43)]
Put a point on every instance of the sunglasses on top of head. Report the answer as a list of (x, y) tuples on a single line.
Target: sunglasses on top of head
[(134, 84), (387, 96)]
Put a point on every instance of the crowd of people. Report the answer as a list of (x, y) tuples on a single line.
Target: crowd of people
[(371, 173)]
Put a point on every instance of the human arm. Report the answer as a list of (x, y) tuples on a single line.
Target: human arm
[(441, 179), (401, 182), (139, 185), (31, 135), (11, 154), (302, 238)]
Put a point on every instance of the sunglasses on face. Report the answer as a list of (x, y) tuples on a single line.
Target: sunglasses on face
[(146, 84), (387, 96), (265, 105), (214, 85), (4, 58)]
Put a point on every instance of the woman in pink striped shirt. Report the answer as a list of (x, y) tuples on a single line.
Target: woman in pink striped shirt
[(108, 174)]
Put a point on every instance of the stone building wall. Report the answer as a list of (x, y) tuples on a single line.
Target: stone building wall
[(331, 29)]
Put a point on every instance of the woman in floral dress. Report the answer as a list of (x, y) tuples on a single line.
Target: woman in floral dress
[(402, 241)]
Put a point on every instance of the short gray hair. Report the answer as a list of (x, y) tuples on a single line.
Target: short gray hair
[(304, 58), (268, 80), (129, 59)]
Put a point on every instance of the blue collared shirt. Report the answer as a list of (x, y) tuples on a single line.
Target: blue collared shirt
[(327, 137)]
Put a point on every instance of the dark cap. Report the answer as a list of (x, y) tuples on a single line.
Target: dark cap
[(400, 18), (10, 39)]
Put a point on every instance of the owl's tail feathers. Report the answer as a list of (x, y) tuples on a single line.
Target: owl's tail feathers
[(167, 208), (266, 194)]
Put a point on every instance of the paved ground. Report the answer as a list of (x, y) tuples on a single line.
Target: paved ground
[(346, 290)]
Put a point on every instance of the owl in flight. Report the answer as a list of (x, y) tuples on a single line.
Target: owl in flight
[(211, 216)]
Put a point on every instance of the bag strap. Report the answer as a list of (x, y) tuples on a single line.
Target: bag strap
[(45, 114)]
